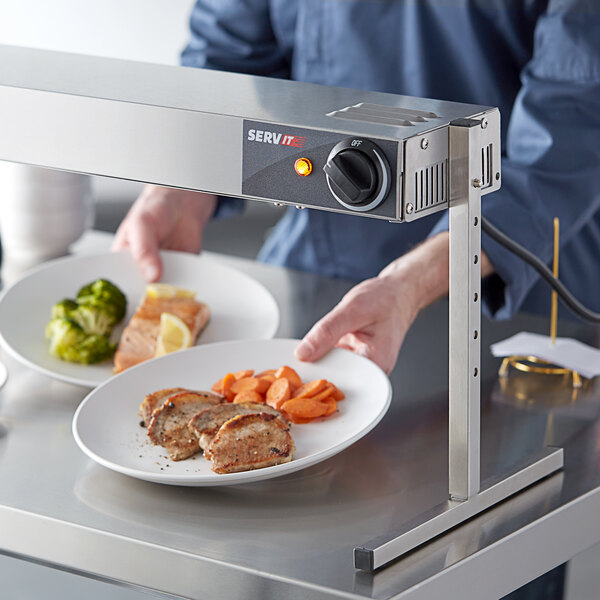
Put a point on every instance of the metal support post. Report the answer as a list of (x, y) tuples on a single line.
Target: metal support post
[(465, 309), (466, 496)]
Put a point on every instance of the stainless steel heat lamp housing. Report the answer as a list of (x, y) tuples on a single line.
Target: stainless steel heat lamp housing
[(382, 156)]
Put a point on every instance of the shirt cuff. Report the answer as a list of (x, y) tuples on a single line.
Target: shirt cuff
[(228, 207)]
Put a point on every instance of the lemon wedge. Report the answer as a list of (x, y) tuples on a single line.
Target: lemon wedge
[(166, 290), (173, 335)]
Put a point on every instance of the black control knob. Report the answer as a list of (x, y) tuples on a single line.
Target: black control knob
[(358, 174), (352, 175)]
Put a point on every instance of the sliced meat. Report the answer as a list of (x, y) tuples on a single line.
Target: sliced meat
[(152, 401), (138, 340), (251, 441), (206, 423), (169, 424)]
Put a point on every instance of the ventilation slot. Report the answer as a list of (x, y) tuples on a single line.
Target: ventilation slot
[(486, 166), (430, 186), (382, 114)]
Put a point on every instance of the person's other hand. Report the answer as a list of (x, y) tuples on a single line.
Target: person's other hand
[(163, 218), (371, 320)]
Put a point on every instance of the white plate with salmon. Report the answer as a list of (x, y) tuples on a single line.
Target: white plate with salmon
[(229, 305), (128, 424)]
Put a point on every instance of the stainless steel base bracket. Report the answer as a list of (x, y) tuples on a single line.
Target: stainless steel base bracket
[(443, 517), (468, 138)]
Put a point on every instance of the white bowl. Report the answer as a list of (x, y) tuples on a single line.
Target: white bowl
[(42, 212)]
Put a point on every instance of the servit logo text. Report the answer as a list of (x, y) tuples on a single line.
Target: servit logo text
[(279, 139)]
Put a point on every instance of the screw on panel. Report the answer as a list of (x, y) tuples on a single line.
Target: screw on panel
[(424, 143), (299, 207), (409, 208), (476, 183), (277, 204), (484, 124)]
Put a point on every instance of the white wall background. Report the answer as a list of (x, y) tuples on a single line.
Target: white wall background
[(146, 30)]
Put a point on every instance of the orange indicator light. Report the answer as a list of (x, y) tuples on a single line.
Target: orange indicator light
[(303, 167)]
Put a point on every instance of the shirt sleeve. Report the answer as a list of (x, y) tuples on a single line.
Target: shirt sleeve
[(551, 166), (234, 35)]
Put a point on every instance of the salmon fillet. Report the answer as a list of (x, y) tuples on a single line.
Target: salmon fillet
[(138, 341), (169, 424), (252, 441), (207, 423)]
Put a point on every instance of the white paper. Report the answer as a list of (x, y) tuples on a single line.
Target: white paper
[(566, 352)]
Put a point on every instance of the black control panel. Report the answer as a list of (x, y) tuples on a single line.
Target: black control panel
[(319, 168)]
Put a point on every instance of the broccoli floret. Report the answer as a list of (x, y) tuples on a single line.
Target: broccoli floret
[(80, 329), (94, 320), (105, 295), (93, 349), (63, 308), (68, 341), (63, 333)]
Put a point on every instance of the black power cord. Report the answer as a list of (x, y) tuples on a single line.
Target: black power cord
[(569, 300)]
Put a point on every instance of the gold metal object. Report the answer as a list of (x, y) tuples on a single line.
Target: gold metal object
[(554, 313), (532, 364), (534, 390)]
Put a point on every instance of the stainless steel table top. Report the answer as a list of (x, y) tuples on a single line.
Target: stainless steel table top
[(292, 537)]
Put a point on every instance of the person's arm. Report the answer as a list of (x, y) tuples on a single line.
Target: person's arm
[(552, 162), (373, 318), (230, 35)]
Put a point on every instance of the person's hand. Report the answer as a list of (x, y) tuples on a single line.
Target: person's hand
[(371, 320), (163, 218)]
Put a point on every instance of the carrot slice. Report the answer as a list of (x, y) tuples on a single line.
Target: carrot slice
[(217, 387), (279, 392), (267, 372), (312, 388), (331, 405), (305, 408), (243, 374), (290, 374), (250, 383), (299, 420), (269, 378), (337, 393), (228, 382), (248, 396), (323, 395)]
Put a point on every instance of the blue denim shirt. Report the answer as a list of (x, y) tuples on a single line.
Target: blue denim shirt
[(537, 60)]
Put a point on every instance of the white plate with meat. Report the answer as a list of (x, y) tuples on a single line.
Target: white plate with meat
[(240, 307), (107, 425)]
